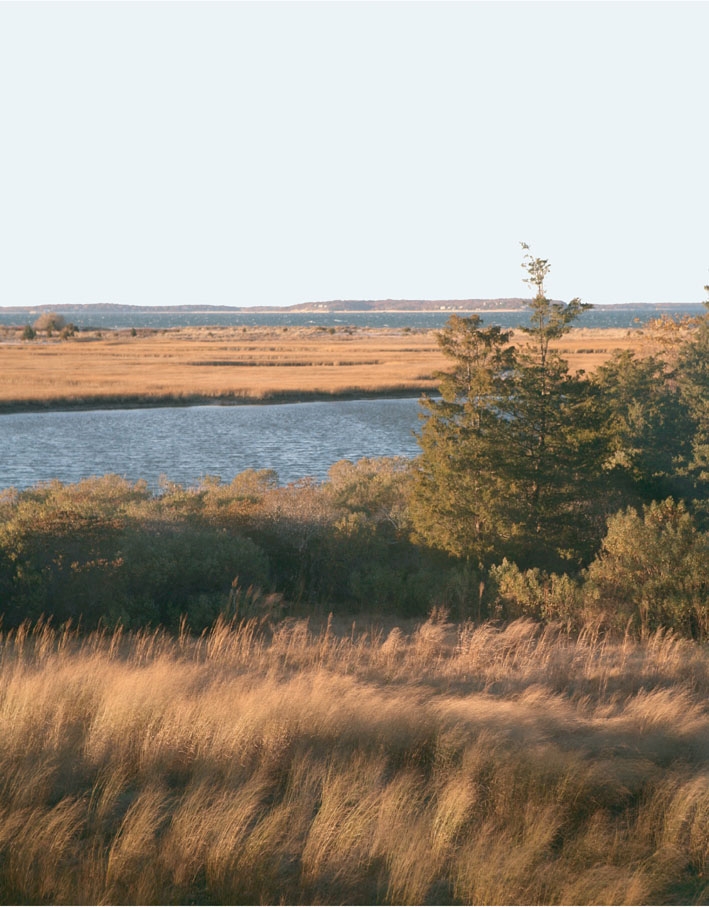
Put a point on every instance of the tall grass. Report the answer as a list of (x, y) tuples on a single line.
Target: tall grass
[(190, 365), (406, 764), (195, 365)]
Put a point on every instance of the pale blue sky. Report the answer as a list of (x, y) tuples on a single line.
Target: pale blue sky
[(270, 154)]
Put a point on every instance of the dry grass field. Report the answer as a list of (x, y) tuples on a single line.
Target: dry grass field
[(231, 365), (423, 764)]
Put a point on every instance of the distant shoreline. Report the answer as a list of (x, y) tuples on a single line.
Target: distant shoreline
[(12, 407)]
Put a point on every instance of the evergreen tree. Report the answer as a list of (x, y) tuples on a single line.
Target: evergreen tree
[(510, 453), (554, 433), (693, 379), (649, 430), (459, 497)]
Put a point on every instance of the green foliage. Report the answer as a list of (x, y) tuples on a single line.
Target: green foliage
[(511, 454), (533, 593), (370, 559), (171, 569), (523, 462), (480, 357), (375, 489), (693, 379), (107, 551), (347, 540), (652, 571), (649, 427), (553, 431), (548, 320), (459, 501), (29, 333), (521, 466)]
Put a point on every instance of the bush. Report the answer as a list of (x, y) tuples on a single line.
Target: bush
[(534, 593), (104, 551), (652, 572), (177, 568), (50, 321)]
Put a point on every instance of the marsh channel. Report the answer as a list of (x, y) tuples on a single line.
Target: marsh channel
[(187, 443)]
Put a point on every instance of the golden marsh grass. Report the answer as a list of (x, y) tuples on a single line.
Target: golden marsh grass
[(425, 764), (237, 365)]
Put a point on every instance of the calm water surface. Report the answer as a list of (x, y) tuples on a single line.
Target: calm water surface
[(607, 317), (187, 443)]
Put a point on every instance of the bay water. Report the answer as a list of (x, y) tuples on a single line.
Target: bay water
[(86, 317), (187, 443)]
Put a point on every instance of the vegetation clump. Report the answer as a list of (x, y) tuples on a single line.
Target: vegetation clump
[(527, 472), (49, 321)]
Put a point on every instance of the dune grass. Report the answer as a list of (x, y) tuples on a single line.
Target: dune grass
[(197, 365), (429, 763)]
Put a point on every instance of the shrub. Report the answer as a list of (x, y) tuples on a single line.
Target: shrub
[(49, 321), (652, 571), (104, 551), (534, 593), (171, 569)]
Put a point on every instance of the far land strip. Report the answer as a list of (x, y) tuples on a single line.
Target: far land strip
[(237, 365)]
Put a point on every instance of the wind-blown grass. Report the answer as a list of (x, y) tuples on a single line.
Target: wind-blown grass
[(423, 764)]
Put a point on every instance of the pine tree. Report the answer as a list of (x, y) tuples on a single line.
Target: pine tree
[(554, 430), (510, 453), (693, 379), (649, 429), (459, 498)]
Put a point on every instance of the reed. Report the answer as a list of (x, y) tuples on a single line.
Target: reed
[(431, 763), (202, 365)]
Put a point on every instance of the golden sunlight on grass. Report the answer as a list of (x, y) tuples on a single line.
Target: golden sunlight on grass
[(235, 364), (426, 764)]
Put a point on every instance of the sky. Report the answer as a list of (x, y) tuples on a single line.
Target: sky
[(274, 153)]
